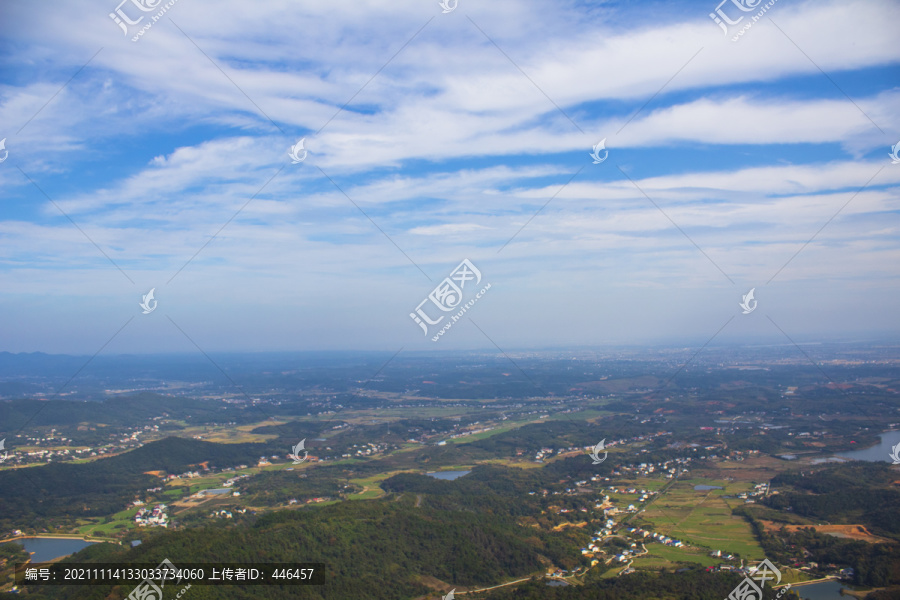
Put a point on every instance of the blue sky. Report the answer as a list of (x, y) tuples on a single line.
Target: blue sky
[(163, 163)]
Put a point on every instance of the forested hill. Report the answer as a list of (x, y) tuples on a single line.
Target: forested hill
[(859, 493), (106, 486), (386, 549), (424, 538)]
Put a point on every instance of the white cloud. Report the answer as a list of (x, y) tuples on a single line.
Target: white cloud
[(449, 149)]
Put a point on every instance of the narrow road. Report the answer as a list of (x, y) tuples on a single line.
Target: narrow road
[(802, 583), (494, 587)]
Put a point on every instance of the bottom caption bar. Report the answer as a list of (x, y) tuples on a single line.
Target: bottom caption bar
[(155, 576)]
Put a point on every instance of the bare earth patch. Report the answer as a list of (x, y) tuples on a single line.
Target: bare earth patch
[(852, 532)]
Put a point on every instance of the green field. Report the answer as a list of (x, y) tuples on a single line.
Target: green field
[(370, 486), (662, 556), (701, 518), (121, 520)]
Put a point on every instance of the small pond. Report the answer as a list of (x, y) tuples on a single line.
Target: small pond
[(448, 475), (44, 549)]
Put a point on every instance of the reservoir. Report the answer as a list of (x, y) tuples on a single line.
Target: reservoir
[(878, 453), (449, 475), (44, 549), (704, 487), (827, 590)]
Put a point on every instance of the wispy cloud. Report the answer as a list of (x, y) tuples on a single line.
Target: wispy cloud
[(162, 150)]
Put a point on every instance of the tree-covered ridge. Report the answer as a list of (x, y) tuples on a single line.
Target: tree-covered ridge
[(859, 493), (63, 492), (398, 547), (278, 488)]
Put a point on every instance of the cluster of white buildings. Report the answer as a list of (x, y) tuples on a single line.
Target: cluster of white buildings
[(309, 501), (760, 490), (608, 528), (594, 547), (230, 482), (128, 441), (542, 453), (44, 455), (226, 514), (547, 452), (627, 554), (597, 538), (185, 475), (670, 468), (155, 517), (652, 536), (643, 494), (364, 450)]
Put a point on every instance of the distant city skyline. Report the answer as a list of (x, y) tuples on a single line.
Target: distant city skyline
[(619, 174)]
